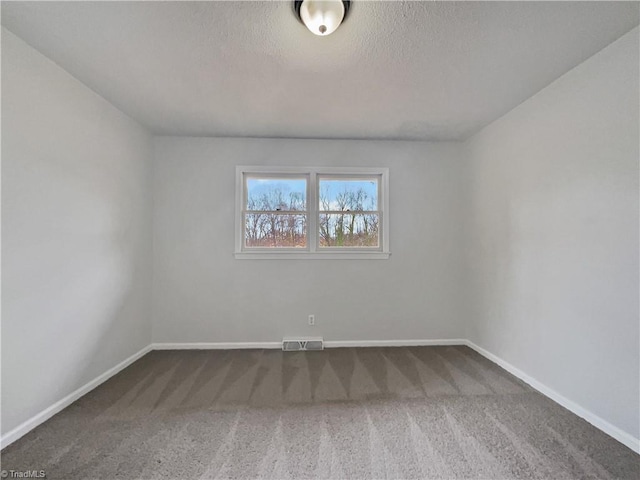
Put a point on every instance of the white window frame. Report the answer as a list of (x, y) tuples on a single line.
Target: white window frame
[(312, 250)]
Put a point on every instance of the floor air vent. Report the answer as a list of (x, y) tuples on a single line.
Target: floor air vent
[(290, 344)]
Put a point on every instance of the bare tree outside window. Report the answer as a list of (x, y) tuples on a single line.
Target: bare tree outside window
[(349, 215), (276, 213)]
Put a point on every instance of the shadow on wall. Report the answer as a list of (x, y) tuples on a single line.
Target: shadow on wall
[(72, 295)]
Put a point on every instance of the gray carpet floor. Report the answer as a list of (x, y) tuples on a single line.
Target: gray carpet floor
[(416, 412)]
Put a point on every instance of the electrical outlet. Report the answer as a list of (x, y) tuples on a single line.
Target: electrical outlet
[(312, 319)]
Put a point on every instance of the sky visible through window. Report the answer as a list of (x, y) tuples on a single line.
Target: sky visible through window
[(348, 194), (276, 193)]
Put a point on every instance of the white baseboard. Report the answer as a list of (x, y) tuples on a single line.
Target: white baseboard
[(393, 343), (327, 344), (214, 345), (598, 422), (49, 412)]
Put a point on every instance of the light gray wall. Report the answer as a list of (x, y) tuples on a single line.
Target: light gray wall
[(553, 236), (75, 234), (203, 294)]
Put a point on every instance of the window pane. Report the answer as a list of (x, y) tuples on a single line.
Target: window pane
[(348, 195), (274, 194), (270, 230), (348, 230)]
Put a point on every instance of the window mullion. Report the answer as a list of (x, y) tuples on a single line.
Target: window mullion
[(312, 208), (241, 182)]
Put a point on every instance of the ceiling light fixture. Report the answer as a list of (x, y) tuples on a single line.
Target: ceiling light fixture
[(321, 17)]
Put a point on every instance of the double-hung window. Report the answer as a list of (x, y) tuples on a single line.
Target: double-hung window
[(296, 212)]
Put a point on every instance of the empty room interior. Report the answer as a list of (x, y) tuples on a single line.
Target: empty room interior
[(320, 239)]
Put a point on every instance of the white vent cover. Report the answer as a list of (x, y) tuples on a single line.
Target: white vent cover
[(295, 344)]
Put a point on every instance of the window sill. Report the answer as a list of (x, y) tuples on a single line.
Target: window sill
[(312, 256)]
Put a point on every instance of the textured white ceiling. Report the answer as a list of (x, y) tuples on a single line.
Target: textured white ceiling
[(393, 70)]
